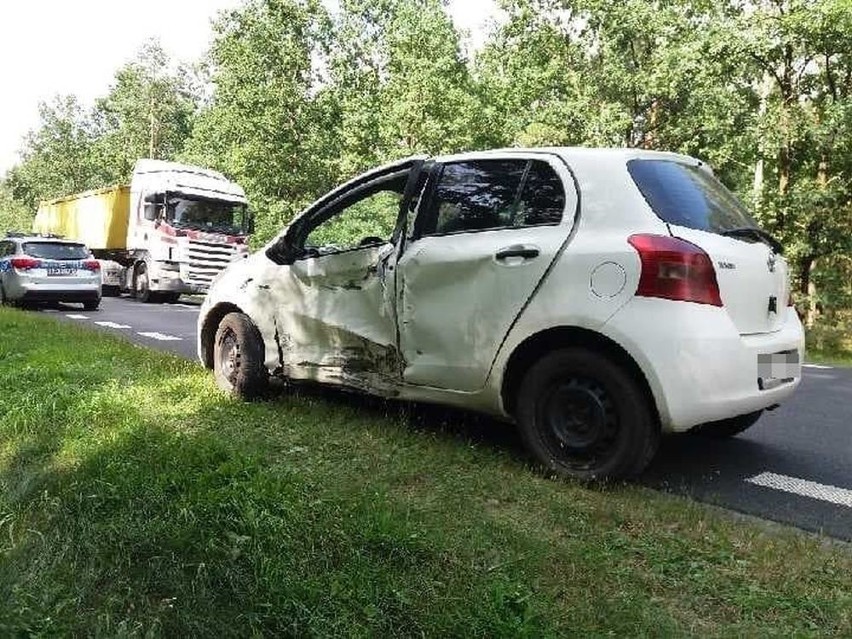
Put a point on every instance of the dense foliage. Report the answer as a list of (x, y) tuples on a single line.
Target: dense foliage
[(294, 98)]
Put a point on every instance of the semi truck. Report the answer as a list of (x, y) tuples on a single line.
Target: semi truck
[(171, 231)]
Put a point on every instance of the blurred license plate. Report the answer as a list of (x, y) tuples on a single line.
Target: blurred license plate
[(778, 368), (61, 270)]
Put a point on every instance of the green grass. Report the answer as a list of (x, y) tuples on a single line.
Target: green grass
[(138, 501)]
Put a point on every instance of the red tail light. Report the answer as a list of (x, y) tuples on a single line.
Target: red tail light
[(675, 269), (25, 263), (92, 265)]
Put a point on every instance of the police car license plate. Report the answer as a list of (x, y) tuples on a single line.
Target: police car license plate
[(61, 270)]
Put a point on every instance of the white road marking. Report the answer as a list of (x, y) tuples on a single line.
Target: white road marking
[(804, 488), (75, 316), (160, 337), (185, 305), (817, 366), (112, 325)]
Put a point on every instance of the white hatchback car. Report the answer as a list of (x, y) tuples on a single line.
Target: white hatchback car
[(596, 297)]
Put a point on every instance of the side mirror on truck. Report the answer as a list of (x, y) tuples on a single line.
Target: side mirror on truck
[(151, 211)]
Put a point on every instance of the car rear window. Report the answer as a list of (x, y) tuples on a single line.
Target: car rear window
[(688, 196), (55, 250)]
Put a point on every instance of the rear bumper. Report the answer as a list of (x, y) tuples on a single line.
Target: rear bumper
[(38, 290), (60, 296), (699, 368)]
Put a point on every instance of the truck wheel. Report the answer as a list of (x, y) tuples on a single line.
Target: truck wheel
[(584, 417), (142, 286), (728, 427), (238, 357)]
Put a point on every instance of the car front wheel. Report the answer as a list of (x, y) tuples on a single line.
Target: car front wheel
[(238, 357), (584, 417)]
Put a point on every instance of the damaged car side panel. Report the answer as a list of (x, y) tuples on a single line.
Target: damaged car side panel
[(460, 291)]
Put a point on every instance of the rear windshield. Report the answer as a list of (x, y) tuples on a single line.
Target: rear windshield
[(55, 250), (688, 196)]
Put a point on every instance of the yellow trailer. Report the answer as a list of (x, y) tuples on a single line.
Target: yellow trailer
[(98, 218)]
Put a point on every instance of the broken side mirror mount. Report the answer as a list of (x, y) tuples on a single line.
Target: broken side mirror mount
[(283, 252)]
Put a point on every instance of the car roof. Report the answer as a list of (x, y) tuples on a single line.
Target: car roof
[(587, 154)]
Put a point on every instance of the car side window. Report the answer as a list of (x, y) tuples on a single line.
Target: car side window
[(476, 195), (543, 198), (495, 194), (365, 218)]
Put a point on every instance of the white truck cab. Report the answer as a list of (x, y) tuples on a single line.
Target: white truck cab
[(186, 224)]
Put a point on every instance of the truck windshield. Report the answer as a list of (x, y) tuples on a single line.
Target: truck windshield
[(217, 216)]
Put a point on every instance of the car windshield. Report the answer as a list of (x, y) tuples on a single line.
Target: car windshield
[(56, 250), (689, 196), (202, 214)]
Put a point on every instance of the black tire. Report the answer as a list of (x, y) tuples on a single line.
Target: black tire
[(238, 357), (4, 301), (584, 417), (142, 285), (169, 298), (728, 427), (111, 291), (92, 305)]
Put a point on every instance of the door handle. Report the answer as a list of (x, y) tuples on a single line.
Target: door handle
[(526, 252)]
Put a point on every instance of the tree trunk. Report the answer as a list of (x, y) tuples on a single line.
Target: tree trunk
[(765, 91), (808, 289)]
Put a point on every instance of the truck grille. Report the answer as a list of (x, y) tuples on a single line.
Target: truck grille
[(207, 260)]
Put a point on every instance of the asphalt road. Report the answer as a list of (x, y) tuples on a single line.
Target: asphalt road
[(794, 466)]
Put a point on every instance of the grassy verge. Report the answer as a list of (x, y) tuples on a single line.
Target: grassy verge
[(830, 343), (829, 358), (136, 500)]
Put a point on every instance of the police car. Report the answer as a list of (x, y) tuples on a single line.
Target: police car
[(37, 269)]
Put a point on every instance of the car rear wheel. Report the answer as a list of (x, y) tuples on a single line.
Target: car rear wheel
[(238, 357), (728, 427), (92, 305), (4, 301), (584, 417)]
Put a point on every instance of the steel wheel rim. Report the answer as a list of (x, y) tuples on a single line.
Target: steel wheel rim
[(142, 282), (578, 422), (229, 356)]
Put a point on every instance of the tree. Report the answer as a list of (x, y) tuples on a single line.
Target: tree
[(264, 126), (799, 51), (56, 158), (146, 114)]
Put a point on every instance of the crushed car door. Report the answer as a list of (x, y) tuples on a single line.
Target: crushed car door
[(486, 233), (335, 322)]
